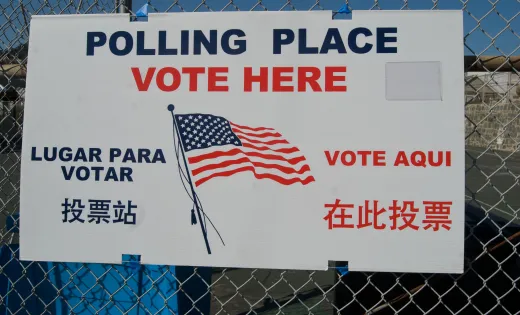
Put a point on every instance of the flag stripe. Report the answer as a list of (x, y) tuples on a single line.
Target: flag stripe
[(250, 128), (256, 153), (264, 148), (257, 135), (279, 179), (225, 159), (270, 142), (242, 160), (273, 171), (216, 154)]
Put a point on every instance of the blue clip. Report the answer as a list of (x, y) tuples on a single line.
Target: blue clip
[(344, 9), (143, 11), (342, 270)]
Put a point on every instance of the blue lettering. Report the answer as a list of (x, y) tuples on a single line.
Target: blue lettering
[(80, 155), (50, 157), (126, 174), (129, 155), (241, 43), (140, 46), (114, 152), (185, 42), (143, 155), (382, 39), (199, 39), (33, 155), (333, 35), (96, 170), (278, 41), (111, 175), (86, 172), (302, 43), (334, 41), (128, 40), (67, 174), (94, 154), (233, 42), (162, 45), (95, 39), (83, 173), (66, 154), (352, 43), (158, 156), (122, 43)]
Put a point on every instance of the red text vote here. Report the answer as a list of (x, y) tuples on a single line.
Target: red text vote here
[(381, 158), (431, 215), (254, 79)]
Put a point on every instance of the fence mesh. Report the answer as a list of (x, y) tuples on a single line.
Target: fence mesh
[(488, 285)]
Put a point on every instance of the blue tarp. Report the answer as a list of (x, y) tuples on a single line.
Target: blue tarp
[(64, 288)]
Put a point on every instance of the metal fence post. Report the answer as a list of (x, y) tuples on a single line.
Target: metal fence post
[(123, 6)]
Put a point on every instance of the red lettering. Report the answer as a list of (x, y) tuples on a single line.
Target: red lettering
[(352, 160), (278, 78), (424, 159), (418, 158), (437, 215), (401, 159), (407, 213), (364, 157), (332, 160), (262, 78), (330, 78), (312, 80), (143, 85), (379, 158), (213, 78), (176, 79), (365, 212), (193, 73), (431, 158), (342, 217), (349, 158)]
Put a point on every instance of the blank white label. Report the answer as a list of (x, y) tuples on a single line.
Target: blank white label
[(413, 81)]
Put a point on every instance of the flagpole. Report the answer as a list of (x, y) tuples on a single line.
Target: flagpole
[(171, 107)]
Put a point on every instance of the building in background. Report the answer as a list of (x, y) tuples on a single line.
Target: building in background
[(492, 107)]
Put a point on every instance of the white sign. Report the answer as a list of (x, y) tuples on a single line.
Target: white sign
[(246, 139)]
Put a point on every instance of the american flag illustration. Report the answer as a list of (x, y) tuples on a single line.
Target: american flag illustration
[(216, 147)]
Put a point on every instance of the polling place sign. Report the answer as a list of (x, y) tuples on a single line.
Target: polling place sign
[(246, 139)]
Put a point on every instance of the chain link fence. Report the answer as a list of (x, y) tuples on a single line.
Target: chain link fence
[(492, 264)]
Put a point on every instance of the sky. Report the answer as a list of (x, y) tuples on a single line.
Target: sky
[(491, 27)]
